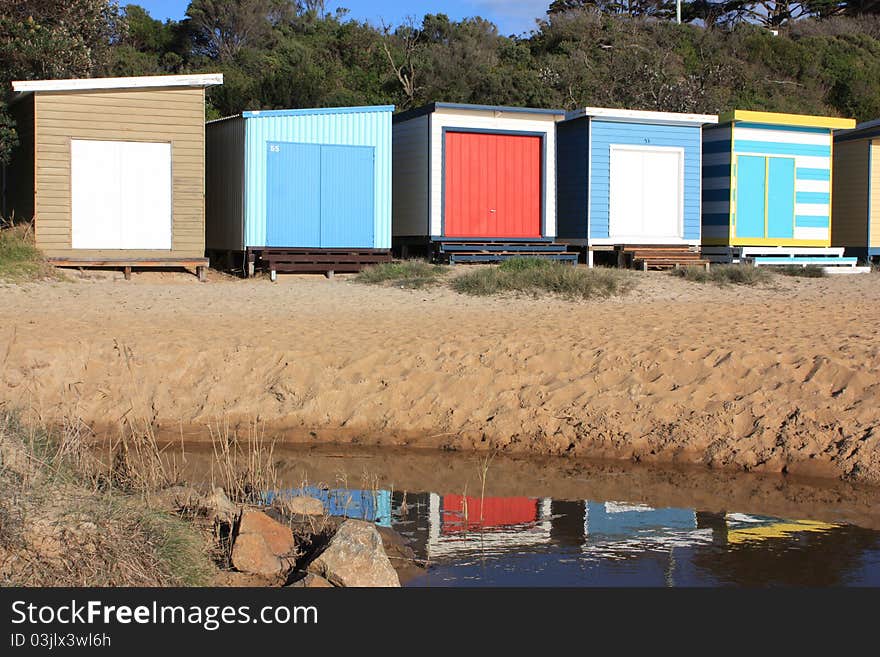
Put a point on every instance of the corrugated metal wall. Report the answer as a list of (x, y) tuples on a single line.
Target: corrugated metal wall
[(337, 126), (411, 144), (224, 184)]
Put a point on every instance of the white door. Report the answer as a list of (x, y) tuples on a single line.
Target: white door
[(646, 194), (120, 194)]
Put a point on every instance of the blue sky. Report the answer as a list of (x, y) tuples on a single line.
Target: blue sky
[(511, 16)]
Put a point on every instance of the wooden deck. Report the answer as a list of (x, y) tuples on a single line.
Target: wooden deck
[(313, 261), (661, 257), (199, 265), (464, 251)]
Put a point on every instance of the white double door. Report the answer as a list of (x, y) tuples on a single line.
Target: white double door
[(646, 194), (120, 194)]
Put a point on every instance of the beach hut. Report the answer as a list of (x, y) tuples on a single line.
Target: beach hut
[(629, 181), (301, 190), (476, 183), (767, 189), (856, 191), (112, 170)]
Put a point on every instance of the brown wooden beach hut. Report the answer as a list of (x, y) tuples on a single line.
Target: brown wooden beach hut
[(112, 170)]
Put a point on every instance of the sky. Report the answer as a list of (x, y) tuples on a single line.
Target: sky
[(511, 16)]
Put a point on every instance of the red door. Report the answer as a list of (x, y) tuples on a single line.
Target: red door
[(493, 185)]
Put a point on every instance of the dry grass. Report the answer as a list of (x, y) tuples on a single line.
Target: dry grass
[(64, 523), (725, 274), (810, 271), (20, 259), (411, 274), (245, 466), (538, 277)]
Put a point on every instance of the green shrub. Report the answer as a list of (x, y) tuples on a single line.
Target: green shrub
[(810, 271), (401, 273), (724, 274), (20, 259), (537, 277)]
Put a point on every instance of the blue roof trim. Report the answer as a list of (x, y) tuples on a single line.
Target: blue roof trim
[(432, 107), (871, 132), (256, 114)]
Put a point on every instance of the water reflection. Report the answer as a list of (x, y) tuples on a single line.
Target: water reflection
[(521, 541)]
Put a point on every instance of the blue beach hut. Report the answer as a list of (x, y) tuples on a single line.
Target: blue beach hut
[(302, 190), (629, 181)]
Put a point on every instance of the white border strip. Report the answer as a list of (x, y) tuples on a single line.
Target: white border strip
[(142, 82), (637, 116)]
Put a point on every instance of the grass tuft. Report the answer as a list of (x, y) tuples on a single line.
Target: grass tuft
[(537, 277), (20, 259), (725, 274), (412, 274), (59, 526), (810, 271)]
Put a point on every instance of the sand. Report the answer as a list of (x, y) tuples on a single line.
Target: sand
[(782, 378)]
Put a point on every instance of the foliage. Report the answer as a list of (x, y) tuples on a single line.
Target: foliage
[(810, 271), (725, 274), (538, 277), (20, 260), (404, 273)]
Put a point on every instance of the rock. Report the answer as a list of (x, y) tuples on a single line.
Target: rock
[(396, 546), (304, 505), (401, 555), (218, 507), (262, 546), (311, 581), (355, 557)]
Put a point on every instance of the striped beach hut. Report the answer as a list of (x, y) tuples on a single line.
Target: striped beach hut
[(629, 181), (856, 191), (767, 188), (300, 190)]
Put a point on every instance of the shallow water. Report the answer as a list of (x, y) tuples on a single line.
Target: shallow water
[(559, 522)]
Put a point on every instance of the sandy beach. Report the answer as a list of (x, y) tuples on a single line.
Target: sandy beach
[(779, 378)]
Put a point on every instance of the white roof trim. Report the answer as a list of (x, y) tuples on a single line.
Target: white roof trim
[(636, 116), (143, 82)]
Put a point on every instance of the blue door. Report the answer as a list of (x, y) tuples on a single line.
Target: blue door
[(319, 196), (780, 197), (751, 179), (293, 204), (347, 206)]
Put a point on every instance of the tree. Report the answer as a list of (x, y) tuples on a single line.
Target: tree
[(657, 8), (45, 39), (221, 28), (407, 41)]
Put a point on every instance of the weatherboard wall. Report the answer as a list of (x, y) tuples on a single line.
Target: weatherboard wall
[(851, 204), (366, 127), (741, 193), (605, 135), (572, 185), (174, 115)]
